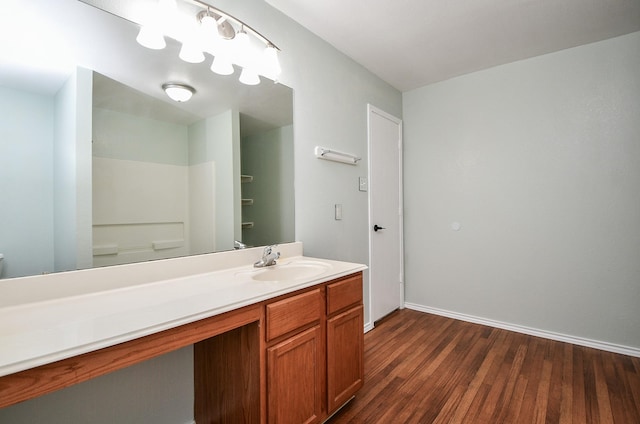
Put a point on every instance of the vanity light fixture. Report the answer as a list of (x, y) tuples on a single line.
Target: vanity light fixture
[(178, 92), (229, 40)]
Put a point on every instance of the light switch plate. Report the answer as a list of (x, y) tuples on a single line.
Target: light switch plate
[(338, 211), (363, 184)]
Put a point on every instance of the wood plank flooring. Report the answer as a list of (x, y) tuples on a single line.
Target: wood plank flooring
[(423, 368)]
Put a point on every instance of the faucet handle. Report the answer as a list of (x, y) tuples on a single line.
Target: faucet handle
[(268, 257)]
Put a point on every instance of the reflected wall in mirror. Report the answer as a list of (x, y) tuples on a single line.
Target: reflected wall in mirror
[(99, 167)]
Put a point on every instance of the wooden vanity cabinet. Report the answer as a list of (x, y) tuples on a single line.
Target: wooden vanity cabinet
[(315, 351), (295, 358), (292, 359), (345, 341)]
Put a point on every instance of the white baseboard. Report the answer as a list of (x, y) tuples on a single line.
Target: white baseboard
[(368, 326), (609, 347)]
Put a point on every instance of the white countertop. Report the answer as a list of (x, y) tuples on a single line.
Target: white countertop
[(46, 327)]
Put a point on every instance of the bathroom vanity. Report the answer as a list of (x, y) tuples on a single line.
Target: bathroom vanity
[(283, 344)]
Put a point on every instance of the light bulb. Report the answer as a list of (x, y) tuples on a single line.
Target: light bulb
[(242, 39), (270, 63), (208, 32), (241, 47), (221, 66), (151, 38), (191, 51), (249, 77), (209, 27)]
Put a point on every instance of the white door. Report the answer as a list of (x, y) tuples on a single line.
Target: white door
[(385, 212)]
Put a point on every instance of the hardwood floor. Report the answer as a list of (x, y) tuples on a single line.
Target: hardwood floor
[(422, 368)]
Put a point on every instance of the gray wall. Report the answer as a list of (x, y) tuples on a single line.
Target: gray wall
[(26, 136), (53, 135), (331, 93), (539, 162), (330, 96), (158, 391)]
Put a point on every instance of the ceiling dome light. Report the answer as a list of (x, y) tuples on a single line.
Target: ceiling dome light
[(249, 77), (178, 92)]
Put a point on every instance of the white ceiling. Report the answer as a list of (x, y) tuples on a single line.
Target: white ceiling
[(411, 43)]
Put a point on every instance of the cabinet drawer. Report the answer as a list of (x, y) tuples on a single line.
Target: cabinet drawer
[(289, 314), (344, 293)]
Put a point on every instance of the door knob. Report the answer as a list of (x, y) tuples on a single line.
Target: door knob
[(377, 227)]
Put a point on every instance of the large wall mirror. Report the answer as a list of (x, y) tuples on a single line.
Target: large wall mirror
[(99, 167)]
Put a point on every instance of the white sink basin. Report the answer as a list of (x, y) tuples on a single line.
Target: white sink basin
[(290, 271)]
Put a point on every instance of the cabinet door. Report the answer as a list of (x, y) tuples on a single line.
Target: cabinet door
[(345, 356), (294, 379)]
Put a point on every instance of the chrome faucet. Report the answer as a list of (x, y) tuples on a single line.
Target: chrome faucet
[(239, 245), (268, 257)]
